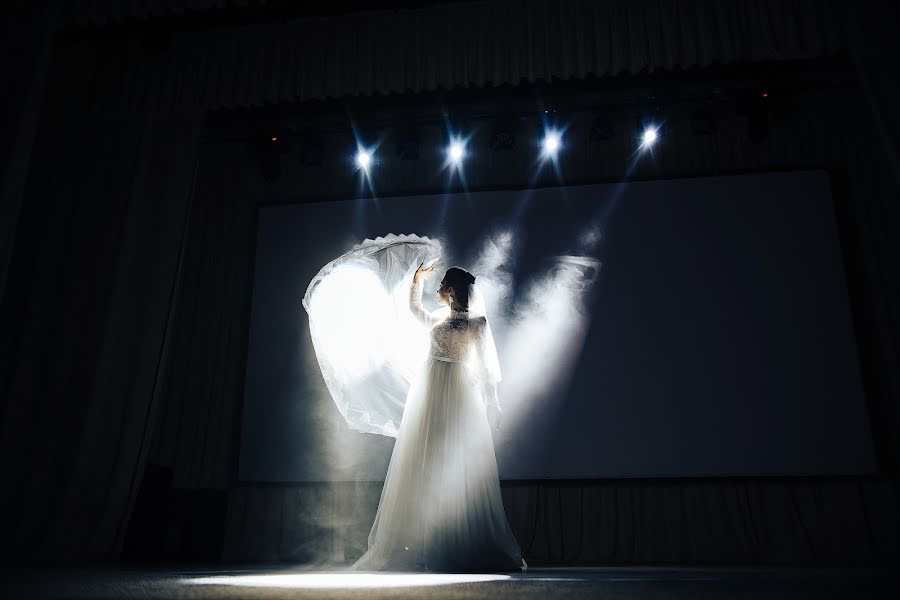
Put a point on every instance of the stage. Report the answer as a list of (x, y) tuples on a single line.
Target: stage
[(279, 581), (653, 347)]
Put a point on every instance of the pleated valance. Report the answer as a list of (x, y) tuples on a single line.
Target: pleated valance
[(452, 46)]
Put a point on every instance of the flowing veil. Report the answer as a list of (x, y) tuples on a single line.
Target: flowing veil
[(367, 342), (488, 369)]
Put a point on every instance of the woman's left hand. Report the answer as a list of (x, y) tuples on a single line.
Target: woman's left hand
[(423, 271)]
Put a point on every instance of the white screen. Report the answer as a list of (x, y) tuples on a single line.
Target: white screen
[(717, 338)]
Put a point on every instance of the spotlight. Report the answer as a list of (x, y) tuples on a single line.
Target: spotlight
[(502, 138), (363, 159), (650, 136), (456, 151), (552, 143)]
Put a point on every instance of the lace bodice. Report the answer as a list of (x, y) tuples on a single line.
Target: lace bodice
[(458, 337)]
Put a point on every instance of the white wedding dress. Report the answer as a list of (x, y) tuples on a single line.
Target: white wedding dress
[(440, 508)]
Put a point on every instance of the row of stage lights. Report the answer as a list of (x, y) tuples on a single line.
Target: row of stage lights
[(550, 146), (364, 157)]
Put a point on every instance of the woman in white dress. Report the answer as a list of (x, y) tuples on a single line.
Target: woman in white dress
[(440, 508)]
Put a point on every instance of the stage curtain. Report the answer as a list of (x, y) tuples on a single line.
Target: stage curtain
[(105, 12), (85, 319), (838, 521), (25, 45), (874, 47), (202, 387), (476, 44)]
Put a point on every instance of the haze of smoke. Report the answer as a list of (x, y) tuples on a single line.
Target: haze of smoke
[(546, 332), (492, 268)]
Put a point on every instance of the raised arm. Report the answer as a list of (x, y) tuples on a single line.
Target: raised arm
[(415, 296)]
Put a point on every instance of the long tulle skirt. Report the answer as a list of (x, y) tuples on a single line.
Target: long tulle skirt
[(440, 508)]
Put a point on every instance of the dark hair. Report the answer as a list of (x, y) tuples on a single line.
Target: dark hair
[(459, 279)]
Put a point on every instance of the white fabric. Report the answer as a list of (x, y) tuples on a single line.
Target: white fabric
[(367, 343), (441, 508), (464, 337), (370, 331)]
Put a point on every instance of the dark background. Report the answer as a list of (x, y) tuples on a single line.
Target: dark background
[(135, 151)]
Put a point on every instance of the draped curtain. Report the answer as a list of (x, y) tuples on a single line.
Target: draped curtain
[(85, 317), (842, 521), (478, 44), (203, 390), (116, 341), (24, 58)]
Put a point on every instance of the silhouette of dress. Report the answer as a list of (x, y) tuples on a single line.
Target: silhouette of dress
[(440, 508)]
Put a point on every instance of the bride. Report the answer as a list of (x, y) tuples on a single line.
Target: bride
[(440, 508)]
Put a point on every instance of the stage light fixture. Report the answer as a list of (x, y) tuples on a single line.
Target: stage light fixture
[(502, 138), (363, 159), (601, 129), (552, 143), (456, 151), (649, 137)]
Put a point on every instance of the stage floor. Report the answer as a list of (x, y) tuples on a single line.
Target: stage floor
[(279, 581)]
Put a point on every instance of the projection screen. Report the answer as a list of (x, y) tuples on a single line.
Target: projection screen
[(707, 332)]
